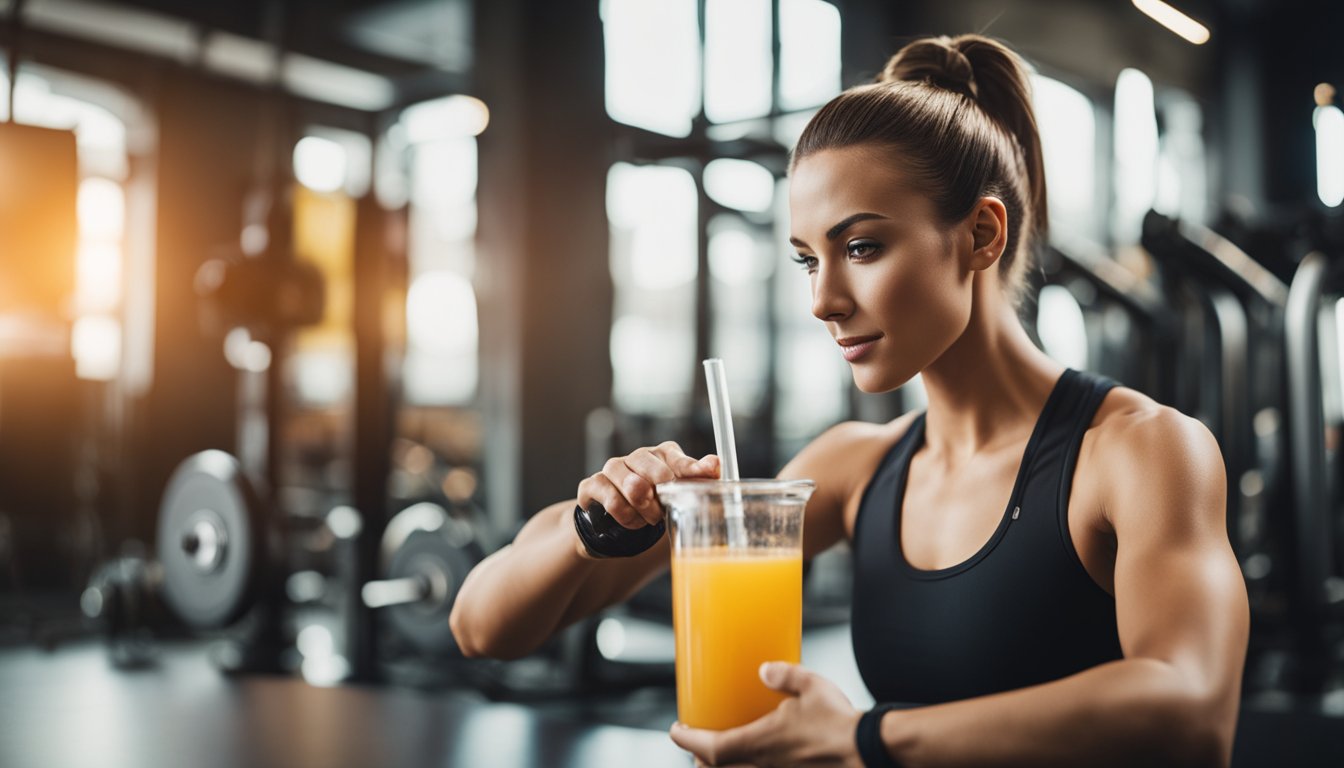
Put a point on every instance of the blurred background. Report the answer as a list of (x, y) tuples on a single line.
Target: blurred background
[(306, 307)]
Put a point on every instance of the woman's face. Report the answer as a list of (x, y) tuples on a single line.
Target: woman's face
[(890, 281)]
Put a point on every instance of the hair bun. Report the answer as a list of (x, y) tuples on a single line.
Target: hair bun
[(938, 60)]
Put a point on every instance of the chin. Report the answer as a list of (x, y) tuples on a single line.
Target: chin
[(876, 379)]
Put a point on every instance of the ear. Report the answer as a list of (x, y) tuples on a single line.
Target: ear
[(988, 222)]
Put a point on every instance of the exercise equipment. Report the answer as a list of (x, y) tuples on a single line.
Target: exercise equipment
[(124, 601), (1128, 326), (1231, 378), (211, 540), (1312, 349), (427, 555)]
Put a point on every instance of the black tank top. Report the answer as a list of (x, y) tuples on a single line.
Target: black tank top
[(1021, 611)]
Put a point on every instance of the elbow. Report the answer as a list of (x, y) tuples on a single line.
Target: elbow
[(1203, 746), (475, 641), (1197, 731), (458, 624)]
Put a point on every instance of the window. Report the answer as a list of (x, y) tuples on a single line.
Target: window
[(784, 375), (738, 59), (1135, 155), (101, 137), (442, 364), (653, 63), (1066, 120), (809, 53), (653, 215), (1182, 173)]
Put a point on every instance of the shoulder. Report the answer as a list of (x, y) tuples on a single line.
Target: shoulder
[(842, 460), (1153, 465), (848, 446)]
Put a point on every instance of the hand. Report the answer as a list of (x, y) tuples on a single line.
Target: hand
[(814, 727), (625, 485)]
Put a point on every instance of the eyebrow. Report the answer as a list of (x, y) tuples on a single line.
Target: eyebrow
[(840, 227)]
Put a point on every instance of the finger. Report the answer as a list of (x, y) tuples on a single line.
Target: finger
[(709, 464), (786, 678), (687, 466), (599, 488), (624, 478), (647, 469), (722, 748)]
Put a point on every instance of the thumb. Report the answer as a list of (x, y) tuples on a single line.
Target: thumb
[(785, 678)]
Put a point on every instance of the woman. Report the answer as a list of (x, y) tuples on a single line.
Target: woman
[(1097, 617)]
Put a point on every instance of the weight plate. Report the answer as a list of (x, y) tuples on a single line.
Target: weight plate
[(425, 516), (210, 541), (430, 556)]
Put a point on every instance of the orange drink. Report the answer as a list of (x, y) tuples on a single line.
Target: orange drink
[(737, 592), (733, 610)]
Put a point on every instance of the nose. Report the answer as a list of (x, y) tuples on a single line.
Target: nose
[(831, 297)]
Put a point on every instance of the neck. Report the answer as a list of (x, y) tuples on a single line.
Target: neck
[(989, 387)]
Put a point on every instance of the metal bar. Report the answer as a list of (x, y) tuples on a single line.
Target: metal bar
[(15, 28), (382, 594), (1314, 540)]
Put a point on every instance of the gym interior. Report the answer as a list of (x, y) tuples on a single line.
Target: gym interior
[(306, 307)]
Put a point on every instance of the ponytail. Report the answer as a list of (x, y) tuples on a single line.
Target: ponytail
[(958, 111)]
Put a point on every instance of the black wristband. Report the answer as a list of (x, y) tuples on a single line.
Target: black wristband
[(603, 537), (868, 736)]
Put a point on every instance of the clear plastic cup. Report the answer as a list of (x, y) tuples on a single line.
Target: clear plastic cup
[(737, 592)]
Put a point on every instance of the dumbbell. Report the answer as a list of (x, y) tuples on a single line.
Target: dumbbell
[(426, 554), (122, 600)]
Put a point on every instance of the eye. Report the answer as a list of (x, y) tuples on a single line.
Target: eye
[(862, 249), (808, 263)]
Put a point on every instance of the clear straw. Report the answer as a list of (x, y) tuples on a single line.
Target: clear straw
[(724, 442)]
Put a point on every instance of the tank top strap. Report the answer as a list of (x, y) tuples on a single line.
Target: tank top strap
[(1089, 391)]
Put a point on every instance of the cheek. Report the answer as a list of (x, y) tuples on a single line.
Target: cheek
[(924, 295), (924, 309)]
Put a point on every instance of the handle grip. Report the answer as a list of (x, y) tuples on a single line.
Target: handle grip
[(603, 537)]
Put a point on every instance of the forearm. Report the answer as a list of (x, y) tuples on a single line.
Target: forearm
[(1124, 713), (518, 597)]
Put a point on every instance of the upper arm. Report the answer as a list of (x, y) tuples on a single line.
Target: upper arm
[(840, 461), (1180, 596)]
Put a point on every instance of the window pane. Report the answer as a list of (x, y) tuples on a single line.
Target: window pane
[(790, 127), (741, 264), (1328, 121), (740, 184), (442, 335), (319, 164), (738, 59), (653, 218), (1067, 123), (809, 53), (1183, 178), (323, 358), (812, 377), (1135, 154), (653, 63), (1060, 325)]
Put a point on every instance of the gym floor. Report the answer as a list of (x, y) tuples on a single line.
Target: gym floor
[(70, 706)]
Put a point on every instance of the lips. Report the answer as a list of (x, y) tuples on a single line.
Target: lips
[(855, 347)]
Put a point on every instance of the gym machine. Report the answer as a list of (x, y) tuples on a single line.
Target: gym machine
[(1313, 332), (1127, 325), (1232, 317)]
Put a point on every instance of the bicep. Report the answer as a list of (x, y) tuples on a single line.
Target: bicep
[(1180, 597)]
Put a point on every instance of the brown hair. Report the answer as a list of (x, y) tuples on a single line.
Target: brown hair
[(958, 110)]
